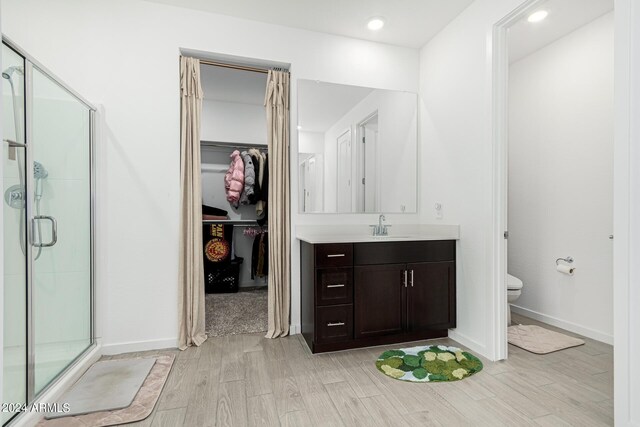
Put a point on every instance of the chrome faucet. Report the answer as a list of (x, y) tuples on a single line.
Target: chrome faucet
[(380, 229)]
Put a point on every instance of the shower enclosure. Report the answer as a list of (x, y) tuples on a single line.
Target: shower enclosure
[(47, 200)]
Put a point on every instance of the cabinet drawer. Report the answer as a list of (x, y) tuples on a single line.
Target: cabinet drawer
[(404, 252), (334, 286), (334, 323), (334, 255)]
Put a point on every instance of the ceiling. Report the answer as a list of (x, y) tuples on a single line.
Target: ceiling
[(230, 85), (564, 17), (409, 23), (321, 105)]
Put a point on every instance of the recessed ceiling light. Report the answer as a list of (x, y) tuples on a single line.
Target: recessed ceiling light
[(537, 16), (375, 23), (299, 127)]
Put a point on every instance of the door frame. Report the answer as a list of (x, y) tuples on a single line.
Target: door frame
[(499, 136), (361, 163), (338, 138)]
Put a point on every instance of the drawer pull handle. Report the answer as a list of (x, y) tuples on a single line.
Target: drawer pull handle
[(335, 255), (339, 285), (335, 324)]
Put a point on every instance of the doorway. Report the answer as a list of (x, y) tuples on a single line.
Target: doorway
[(344, 172), (554, 135), (234, 138), (366, 180)]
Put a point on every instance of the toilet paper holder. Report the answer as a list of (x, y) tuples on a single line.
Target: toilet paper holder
[(568, 260)]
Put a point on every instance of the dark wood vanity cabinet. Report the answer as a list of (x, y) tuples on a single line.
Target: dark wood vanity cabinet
[(360, 294)]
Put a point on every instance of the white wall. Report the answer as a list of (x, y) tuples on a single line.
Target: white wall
[(311, 144), (457, 158), (233, 122), (100, 49), (561, 179)]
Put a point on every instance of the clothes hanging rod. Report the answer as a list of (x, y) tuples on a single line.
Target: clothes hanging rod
[(234, 222), (235, 67), (224, 144)]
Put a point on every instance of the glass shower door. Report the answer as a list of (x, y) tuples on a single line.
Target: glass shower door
[(60, 228), (14, 367)]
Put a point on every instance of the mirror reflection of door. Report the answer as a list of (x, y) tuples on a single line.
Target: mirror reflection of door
[(303, 188), (344, 172), (367, 200), (309, 184)]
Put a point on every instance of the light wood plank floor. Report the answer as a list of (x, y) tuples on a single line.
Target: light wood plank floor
[(246, 380)]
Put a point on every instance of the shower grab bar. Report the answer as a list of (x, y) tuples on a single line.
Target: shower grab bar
[(54, 231)]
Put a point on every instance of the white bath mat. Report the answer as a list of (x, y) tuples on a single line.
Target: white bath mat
[(540, 340), (107, 385)]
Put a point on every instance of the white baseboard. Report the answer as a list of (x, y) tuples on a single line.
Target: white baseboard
[(569, 326), (294, 329), (53, 393), (469, 343), (129, 347)]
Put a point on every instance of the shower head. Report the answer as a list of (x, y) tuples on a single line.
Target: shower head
[(6, 74), (39, 172)]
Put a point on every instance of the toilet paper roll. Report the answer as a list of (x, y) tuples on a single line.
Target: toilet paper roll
[(565, 269)]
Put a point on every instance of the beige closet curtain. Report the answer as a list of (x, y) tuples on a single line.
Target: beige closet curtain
[(277, 105), (191, 285)]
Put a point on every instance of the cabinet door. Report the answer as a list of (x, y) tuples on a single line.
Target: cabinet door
[(431, 296), (378, 299)]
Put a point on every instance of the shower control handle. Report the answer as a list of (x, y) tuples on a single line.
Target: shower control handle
[(54, 230)]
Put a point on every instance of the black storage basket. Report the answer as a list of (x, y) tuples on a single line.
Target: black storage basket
[(223, 278)]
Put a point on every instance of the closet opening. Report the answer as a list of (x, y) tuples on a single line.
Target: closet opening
[(235, 199)]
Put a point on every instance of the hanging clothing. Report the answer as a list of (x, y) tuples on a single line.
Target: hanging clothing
[(264, 188), (249, 179), (265, 178), (257, 190), (234, 179), (260, 256), (258, 155)]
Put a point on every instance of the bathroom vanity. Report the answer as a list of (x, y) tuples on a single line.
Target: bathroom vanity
[(363, 291)]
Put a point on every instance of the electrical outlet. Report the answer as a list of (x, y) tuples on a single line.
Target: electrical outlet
[(438, 208)]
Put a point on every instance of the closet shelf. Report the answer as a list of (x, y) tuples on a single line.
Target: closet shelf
[(225, 144), (239, 222)]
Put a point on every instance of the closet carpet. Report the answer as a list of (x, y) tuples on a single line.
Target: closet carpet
[(239, 313)]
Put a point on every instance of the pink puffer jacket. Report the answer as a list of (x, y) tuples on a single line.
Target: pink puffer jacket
[(234, 178)]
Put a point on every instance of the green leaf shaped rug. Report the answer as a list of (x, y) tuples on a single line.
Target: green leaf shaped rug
[(428, 363)]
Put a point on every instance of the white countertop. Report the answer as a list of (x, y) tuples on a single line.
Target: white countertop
[(357, 233)]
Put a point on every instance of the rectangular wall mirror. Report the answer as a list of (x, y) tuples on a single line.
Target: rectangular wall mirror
[(357, 149)]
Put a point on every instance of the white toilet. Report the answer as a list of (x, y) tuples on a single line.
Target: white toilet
[(514, 290)]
